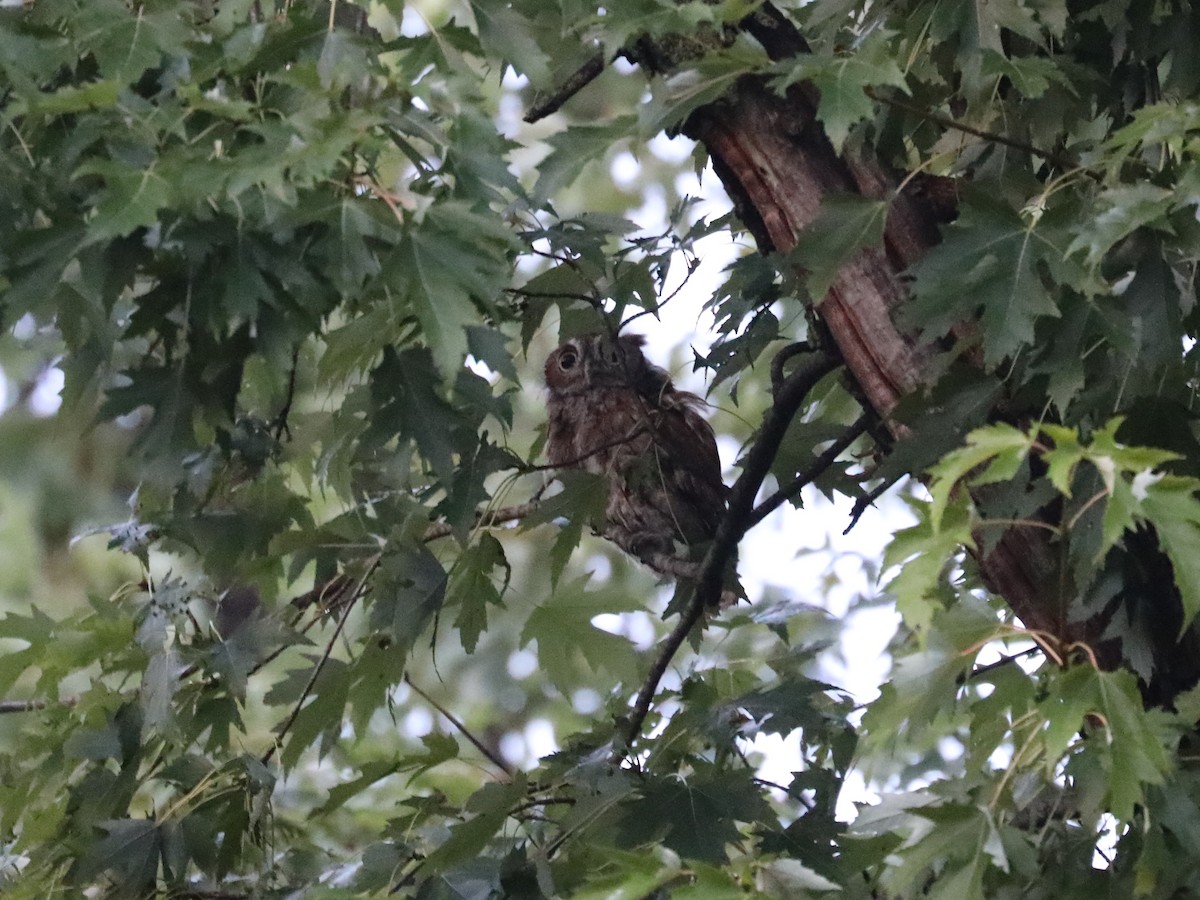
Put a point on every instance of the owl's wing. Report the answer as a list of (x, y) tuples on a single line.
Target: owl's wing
[(691, 447)]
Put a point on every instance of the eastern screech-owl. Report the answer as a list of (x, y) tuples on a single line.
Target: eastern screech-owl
[(614, 413)]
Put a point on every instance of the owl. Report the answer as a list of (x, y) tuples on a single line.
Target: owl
[(614, 413)]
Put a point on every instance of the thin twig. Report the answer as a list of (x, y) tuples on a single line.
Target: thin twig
[(316, 672), (574, 83), (733, 526), (281, 420), (980, 671), (863, 503), (589, 299), (819, 466), (17, 706), (462, 728), (482, 520), (954, 124)]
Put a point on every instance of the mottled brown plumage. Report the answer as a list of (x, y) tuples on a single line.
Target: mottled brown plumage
[(614, 413)]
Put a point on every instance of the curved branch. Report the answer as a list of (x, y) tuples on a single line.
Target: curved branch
[(734, 524)]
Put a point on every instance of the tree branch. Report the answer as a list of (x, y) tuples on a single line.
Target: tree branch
[(281, 420), (317, 669), (819, 465), (574, 83), (483, 519), (462, 728), (18, 706), (734, 525), (867, 500), (954, 124), (781, 359), (333, 588)]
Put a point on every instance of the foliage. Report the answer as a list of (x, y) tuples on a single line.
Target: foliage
[(297, 267)]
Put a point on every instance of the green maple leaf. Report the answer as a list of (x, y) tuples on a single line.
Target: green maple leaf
[(987, 265), (471, 586), (448, 267), (842, 81), (695, 816), (131, 198), (845, 224), (508, 35), (1170, 503), (568, 645)]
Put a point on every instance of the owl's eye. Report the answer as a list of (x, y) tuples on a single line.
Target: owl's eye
[(567, 360)]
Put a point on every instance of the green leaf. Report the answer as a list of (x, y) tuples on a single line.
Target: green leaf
[(1171, 506), (491, 805), (581, 503), (489, 346), (508, 36), (696, 816), (845, 225), (989, 263), (131, 198), (1128, 741), (447, 267), (130, 849), (321, 715), (841, 81), (96, 95), (1121, 210), (410, 400), (1031, 76), (925, 556), (408, 591), (682, 92), (574, 148), (1002, 446), (568, 645), (1063, 457), (629, 876), (471, 586), (440, 748)]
